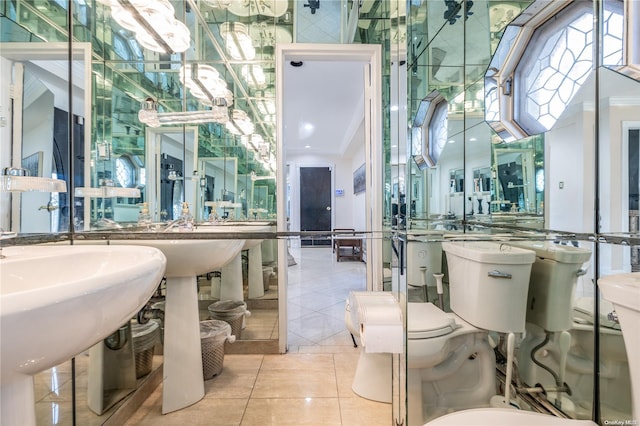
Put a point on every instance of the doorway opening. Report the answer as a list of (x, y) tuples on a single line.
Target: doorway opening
[(303, 143)]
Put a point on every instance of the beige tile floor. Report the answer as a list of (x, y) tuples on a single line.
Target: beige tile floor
[(309, 385)]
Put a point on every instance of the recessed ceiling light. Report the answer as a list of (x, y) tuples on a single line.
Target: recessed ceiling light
[(307, 146), (472, 139), (451, 141)]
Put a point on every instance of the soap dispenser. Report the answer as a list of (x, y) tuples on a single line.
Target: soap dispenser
[(144, 218), (186, 219)]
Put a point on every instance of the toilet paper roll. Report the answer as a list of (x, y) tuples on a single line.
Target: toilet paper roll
[(358, 299), (381, 329)]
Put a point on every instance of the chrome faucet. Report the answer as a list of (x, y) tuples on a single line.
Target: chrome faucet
[(171, 224)]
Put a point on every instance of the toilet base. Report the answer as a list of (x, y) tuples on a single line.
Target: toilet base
[(373, 377)]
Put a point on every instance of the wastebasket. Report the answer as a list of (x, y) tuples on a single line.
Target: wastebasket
[(145, 337), (231, 311), (213, 334)]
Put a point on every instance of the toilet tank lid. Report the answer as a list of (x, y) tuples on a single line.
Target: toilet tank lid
[(558, 252), (425, 320), (490, 252)]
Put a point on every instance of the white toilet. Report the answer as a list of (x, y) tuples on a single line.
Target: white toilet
[(552, 285), (451, 352), (451, 364), (623, 290)]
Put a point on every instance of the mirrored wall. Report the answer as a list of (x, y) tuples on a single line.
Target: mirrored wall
[(521, 127), (501, 119)]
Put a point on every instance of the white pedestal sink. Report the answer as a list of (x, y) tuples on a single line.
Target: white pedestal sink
[(183, 383), (231, 283), (57, 301)]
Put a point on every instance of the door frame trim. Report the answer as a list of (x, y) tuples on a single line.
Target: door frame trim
[(369, 54)]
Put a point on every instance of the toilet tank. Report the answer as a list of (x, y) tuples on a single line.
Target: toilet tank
[(552, 284), (488, 283)]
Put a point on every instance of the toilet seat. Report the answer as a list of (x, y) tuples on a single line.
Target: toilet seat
[(425, 321), (504, 417)]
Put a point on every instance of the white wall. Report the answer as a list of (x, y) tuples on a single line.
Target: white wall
[(5, 138), (37, 137), (348, 209), (358, 201), (568, 164)]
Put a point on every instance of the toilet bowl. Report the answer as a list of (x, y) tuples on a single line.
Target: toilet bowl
[(504, 417), (615, 385), (451, 364), (623, 291)]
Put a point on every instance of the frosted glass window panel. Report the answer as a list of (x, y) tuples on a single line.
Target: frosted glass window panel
[(560, 60), (125, 172)]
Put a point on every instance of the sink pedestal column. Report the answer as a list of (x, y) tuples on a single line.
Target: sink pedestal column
[(112, 372), (256, 284), (183, 382), (18, 402), (231, 285)]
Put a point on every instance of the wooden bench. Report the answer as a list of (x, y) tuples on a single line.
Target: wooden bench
[(346, 245)]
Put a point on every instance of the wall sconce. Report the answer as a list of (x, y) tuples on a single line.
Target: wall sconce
[(103, 151), (204, 82), (254, 76), (107, 192), (240, 123), (16, 179), (237, 40), (150, 116), (153, 23)]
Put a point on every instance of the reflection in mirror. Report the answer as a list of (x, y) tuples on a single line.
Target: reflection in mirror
[(515, 173), (218, 195), (481, 189), (38, 130), (169, 182)]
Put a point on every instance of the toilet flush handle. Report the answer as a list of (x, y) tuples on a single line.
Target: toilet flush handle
[(498, 274), (581, 272)]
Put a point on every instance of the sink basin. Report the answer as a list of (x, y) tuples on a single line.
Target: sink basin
[(240, 227), (186, 258), (57, 301), (183, 383)]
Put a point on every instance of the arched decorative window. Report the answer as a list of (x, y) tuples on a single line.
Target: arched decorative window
[(541, 64), (429, 130), (125, 172)]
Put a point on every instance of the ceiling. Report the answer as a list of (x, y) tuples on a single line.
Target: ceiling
[(323, 107)]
